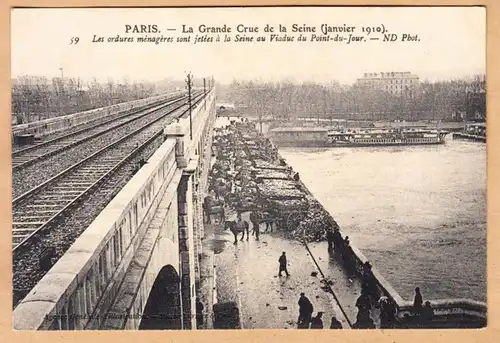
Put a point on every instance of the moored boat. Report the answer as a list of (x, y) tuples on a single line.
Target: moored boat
[(386, 136)]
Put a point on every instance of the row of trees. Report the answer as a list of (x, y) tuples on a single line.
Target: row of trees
[(36, 98), (445, 100)]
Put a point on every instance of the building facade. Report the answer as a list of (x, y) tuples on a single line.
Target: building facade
[(396, 83)]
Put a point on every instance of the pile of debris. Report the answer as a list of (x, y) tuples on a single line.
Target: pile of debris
[(262, 177), (315, 225)]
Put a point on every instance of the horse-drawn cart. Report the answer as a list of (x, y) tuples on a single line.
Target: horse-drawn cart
[(287, 212), (286, 205), (213, 207)]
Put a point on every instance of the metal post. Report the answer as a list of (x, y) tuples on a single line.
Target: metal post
[(189, 85), (204, 94), (465, 109)]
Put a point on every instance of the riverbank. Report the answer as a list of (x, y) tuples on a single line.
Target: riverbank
[(247, 269), (267, 178)]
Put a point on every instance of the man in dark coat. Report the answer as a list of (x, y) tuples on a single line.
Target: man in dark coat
[(335, 324), (387, 313), (282, 261), (317, 322), (255, 218), (368, 281), (330, 237), (427, 312), (305, 310), (199, 313), (417, 302), (337, 239)]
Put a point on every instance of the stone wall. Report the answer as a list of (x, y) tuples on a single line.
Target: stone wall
[(48, 126), (84, 282)]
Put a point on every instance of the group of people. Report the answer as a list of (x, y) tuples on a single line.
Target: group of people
[(370, 293), (342, 246), (307, 321), (422, 314)]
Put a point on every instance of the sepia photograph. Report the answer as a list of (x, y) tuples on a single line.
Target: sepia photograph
[(248, 168)]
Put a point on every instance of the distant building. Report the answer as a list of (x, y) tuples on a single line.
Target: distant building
[(395, 83)]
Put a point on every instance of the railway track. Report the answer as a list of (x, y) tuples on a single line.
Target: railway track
[(39, 209), (86, 125), (27, 156), (34, 174)]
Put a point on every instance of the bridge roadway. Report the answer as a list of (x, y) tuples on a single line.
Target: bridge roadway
[(145, 259)]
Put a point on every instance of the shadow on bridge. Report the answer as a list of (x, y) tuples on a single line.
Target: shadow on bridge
[(163, 309)]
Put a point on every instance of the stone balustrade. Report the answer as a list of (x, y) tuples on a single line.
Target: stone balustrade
[(79, 288)]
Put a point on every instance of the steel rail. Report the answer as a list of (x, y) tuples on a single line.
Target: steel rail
[(147, 110), (90, 124), (86, 192)]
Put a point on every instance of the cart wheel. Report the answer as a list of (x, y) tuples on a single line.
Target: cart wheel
[(294, 219)]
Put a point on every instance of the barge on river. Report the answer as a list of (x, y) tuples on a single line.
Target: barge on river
[(473, 132), (322, 137), (386, 136)]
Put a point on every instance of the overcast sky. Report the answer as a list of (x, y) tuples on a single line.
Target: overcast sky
[(452, 44)]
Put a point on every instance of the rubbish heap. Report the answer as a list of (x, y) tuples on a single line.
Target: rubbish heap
[(315, 225), (249, 174)]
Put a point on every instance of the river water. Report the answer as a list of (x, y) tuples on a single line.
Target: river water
[(418, 213)]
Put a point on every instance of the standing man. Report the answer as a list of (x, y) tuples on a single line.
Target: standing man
[(199, 313), (282, 261), (337, 239), (255, 219), (330, 237), (417, 302), (305, 311)]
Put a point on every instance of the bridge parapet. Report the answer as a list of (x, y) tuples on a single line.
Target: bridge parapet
[(188, 146), (79, 288), (153, 221)]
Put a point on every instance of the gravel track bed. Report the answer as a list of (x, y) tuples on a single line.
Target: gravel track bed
[(26, 273), (27, 178), (89, 132), (107, 120), (72, 129), (75, 128), (118, 152)]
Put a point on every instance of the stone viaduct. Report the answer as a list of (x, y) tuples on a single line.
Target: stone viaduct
[(137, 265)]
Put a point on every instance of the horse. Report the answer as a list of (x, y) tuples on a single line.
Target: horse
[(222, 189), (211, 207), (233, 227)]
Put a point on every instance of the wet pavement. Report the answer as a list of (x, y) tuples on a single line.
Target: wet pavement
[(346, 287), (247, 273)]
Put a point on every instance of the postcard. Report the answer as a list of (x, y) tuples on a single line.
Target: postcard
[(248, 168)]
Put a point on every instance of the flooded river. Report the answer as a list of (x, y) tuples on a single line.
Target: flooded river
[(417, 212)]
